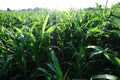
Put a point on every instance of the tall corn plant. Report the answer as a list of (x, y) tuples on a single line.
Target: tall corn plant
[(54, 67), (110, 56)]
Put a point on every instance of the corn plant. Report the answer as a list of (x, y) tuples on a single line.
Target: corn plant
[(60, 45)]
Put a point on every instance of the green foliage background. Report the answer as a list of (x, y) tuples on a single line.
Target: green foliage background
[(60, 45)]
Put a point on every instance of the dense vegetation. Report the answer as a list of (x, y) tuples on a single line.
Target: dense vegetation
[(60, 45)]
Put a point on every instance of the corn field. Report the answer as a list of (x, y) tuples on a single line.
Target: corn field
[(60, 45)]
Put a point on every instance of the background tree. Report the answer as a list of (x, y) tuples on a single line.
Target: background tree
[(8, 9)]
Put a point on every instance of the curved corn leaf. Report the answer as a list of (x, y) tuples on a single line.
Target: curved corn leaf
[(104, 77), (6, 65), (56, 65), (44, 26), (96, 30), (46, 73), (51, 29), (109, 56), (43, 30)]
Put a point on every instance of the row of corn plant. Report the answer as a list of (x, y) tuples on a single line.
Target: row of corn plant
[(60, 45)]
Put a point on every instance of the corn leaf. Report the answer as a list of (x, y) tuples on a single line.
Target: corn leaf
[(56, 65), (104, 76), (51, 29), (6, 65)]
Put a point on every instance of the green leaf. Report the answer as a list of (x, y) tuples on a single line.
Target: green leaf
[(32, 37), (6, 65), (44, 26), (18, 30), (96, 30), (117, 32), (96, 19), (98, 48), (104, 76), (109, 56), (105, 7), (44, 71), (43, 30), (32, 27), (51, 67), (113, 59), (56, 65), (51, 29)]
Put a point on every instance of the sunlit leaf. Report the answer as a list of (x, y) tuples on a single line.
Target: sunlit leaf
[(104, 76)]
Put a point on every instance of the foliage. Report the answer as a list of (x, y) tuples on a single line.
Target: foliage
[(60, 45)]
